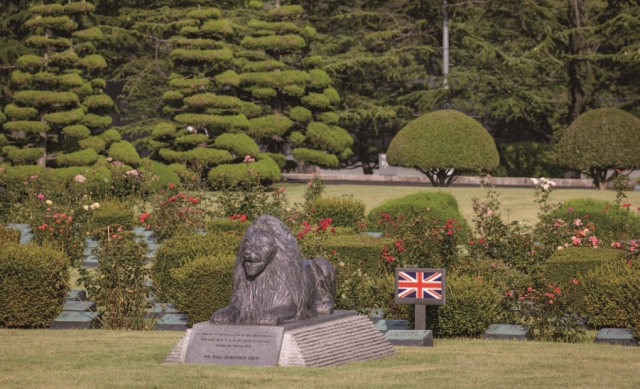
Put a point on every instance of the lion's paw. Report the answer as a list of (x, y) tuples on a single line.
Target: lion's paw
[(222, 316), (268, 319)]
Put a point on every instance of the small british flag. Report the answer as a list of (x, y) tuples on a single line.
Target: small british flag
[(420, 285)]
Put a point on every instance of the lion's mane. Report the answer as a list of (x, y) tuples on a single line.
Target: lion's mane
[(284, 275)]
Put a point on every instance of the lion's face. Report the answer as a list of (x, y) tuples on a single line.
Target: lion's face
[(259, 251)]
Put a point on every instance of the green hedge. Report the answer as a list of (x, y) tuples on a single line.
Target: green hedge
[(79, 158), (267, 168), (613, 225), (33, 284), (125, 152), (574, 262), (440, 206), (182, 249), (612, 296), (358, 251), (472, 306), (203, 286), (343, 211), (165, 174), (112, 214), (315, 157), (219, 226), (8, 235)]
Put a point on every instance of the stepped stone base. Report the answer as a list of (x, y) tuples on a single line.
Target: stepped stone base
[(319, 341), (347, 339)]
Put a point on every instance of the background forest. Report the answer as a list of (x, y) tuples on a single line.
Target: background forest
[(203, 85)]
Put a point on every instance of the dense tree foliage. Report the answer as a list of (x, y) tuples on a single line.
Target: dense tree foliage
[(442, 145), (599, 140), (525, 69)]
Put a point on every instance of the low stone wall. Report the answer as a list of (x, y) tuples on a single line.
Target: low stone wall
[(374, 179)]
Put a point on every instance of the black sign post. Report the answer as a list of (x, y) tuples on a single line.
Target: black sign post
[(420, 287)]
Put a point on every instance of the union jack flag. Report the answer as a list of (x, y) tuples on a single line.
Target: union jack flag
[(421, 285)]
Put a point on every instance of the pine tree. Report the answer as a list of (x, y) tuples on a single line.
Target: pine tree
[(59, 112)]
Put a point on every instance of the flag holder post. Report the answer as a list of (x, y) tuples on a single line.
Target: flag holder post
[(420, 317)]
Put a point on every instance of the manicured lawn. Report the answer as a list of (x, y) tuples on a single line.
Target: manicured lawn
[(120, 359), (517, 203)]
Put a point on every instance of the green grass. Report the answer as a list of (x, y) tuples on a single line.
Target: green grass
[(517, 203), (127, 359)]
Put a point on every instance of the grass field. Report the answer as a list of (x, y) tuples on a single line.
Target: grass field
[(517, 203), (121, 359)]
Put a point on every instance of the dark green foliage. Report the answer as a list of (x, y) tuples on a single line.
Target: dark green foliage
[(315, 157), (440, 206), (575, 262), (184, 248), (40, 98), (355, 251), (280, 159), (96, 121), (343, 211), (19, 113), (300, 114), (33, 284), (239, 144), (199, 156), (425, 144), (112, 214), (111, 136), (98, 101), (612, 296), (191, 140), (79, 158), (63, 118), (219, 226), (93, 62), (530, 159), (270, 125), (266, 168), (613, 223), (124, 152), (8, 235), (601, 139), (472, 306), (331, 138), (203, 285), (22, 156), (214, 122), (96, 143), (77, 131), (27, 126), (90, 34), (209, 57), (165, 174), (274, 42)]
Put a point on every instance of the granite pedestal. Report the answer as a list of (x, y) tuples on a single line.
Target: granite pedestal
[(68, 320), (506, 332), (622, 336), (318, 341), (410, 338)]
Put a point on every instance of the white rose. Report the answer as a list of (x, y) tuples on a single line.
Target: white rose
[(49, 202), (535, 181), (86, 207), (545, 186)]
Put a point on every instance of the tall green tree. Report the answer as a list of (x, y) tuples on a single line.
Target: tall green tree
[(58, 102), (377, 53)]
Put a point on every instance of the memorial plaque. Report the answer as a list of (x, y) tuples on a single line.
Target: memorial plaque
[(373, 234), (160, 309), (79, 306), (235, 344), (506, 332), (388, 325), (76, 295), (172, 322), (419, 338), (68, 320), (622, 336)]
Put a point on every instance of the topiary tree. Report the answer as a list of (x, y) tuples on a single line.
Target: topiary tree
[(443, 144), (240, 101), (58, 108), (599, 140)]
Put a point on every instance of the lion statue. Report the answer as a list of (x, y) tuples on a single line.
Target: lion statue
[(272, 283)]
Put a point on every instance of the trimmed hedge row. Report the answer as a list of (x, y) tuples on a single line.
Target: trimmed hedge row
[(183, 249), (574, 262), (343, 211), (612, 296), (203, 285), (440, 206), (33, 284)]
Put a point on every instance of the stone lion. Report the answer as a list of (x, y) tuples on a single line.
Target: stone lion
[(272, 283)]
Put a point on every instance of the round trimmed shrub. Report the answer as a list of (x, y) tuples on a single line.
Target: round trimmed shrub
[(182, 249), (124, 152), (612, 223), (33, 284), (599, 140), (343, 211), (165, 174), (612, 296), (203, 286), (437, 205), (112, 214), (443, 140), (472, 306), (266, 167), (575, 262)]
